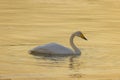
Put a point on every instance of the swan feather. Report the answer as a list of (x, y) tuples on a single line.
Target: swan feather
[(52, 48)]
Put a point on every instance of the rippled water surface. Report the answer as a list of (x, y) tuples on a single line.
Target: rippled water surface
[(25, 24)]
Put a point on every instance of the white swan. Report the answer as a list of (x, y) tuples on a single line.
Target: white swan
[(54, 48)]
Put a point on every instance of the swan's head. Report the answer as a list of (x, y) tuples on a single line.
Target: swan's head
[(80, 34)]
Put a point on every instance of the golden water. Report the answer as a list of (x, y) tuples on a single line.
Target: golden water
[(25, 24)]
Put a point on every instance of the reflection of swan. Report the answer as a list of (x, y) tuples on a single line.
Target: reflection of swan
[(54, 48)]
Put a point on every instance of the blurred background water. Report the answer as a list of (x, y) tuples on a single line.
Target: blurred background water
[(25, 24)]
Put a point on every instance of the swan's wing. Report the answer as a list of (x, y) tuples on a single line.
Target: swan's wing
[(53, 48)]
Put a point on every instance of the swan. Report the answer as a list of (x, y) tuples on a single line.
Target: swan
[(55, 48)]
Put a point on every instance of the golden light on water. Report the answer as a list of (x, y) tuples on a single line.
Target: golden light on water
[(29, 23)]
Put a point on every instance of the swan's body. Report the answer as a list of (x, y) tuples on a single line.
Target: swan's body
[(54, 48)]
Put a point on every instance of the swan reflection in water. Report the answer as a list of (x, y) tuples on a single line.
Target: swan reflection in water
[(57, 49), (73, 63)]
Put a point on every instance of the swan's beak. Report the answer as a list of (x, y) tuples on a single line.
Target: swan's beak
[(83, 37)]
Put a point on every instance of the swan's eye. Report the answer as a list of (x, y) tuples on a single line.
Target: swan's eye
[(81, 35)]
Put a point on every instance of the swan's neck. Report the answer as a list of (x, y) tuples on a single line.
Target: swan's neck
[(77, 51)]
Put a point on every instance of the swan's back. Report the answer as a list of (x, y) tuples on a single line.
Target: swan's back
[(52, 48)]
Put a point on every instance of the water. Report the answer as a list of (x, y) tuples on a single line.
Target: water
[(29, 23)]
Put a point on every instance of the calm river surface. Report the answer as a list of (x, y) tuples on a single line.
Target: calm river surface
[(25, 24)]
